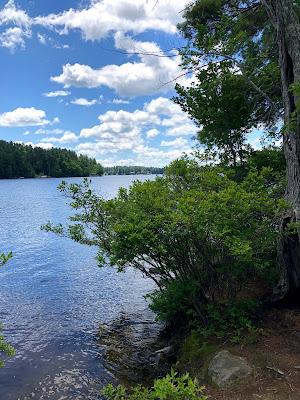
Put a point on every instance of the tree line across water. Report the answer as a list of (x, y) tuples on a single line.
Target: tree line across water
[(133, 170), (19, 160)]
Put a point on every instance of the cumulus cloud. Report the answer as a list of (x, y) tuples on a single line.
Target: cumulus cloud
[(123, 130), (19, 26), (43, 131), (45, 146), (85, 102), (152, 133), (119, 101), (149, 75), (95, 22), (57, 93), (25, 117), (150, 156), (160, 112), (42, 38), (67, 137), (102, 17), (12, 38), (11, 14), (176, 143)]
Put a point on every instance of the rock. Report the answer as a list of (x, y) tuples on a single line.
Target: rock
[(225, 368), (166, 350), (163, 354)]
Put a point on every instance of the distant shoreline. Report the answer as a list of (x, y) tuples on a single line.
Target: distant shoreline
[(67, 177)]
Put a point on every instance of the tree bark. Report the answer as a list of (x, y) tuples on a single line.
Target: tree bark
[(286, 21)]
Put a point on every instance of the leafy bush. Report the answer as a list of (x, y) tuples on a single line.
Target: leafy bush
[(4, 258), (5, 348), (193, 225), (174, 302), (171, 387), (231, 320)]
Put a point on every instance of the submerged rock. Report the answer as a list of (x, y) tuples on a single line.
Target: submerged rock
[(162, 356), (225, 368), (131, 347)]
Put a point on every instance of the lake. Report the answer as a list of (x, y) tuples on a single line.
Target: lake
[(53, 297)]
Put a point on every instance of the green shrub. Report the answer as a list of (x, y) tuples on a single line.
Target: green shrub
[(171, 387), (4, 258), (232, 320), (199, 235), (5, 348), (194, 352), (175, 301)]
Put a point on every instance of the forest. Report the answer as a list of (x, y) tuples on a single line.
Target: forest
[(19, 160), (132, 170)]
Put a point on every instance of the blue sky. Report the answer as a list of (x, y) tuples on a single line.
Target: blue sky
[(68, 78)]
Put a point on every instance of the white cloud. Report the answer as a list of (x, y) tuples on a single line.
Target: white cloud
[(47, 40), (58, 93), (180, 128), (96, 21), (24, 117), (121, 130), (45, 146), (120, 101), (12, 38), (67, 137), (42, 38), (160, 112), (176, 143), (173, 119), (102, 17), (43, 131), (11, 14), (55, 120), (84, 102), (19, 26), (152, 133), (151, 74)]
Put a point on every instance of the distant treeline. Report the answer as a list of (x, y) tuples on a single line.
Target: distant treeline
[(19, 160), (132, 170)]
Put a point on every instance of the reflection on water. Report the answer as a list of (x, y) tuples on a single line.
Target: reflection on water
[(53, 297), (129, 345)]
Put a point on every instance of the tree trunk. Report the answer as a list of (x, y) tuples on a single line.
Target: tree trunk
[(286, 21)]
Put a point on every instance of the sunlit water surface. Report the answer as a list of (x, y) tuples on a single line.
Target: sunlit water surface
[(53, 297)]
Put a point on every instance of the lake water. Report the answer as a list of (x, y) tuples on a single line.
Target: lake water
[(53, 297)]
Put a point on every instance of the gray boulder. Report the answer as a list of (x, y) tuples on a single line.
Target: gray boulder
[(225, 368)]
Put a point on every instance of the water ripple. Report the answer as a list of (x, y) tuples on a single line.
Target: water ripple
[(53, 297)]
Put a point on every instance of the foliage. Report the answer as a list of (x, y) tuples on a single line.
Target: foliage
[(193, 225), (194, 351), (5, 348), (268, 157), (233, 319), (171, 387), (233, 56), (4, 258), (175, 302), (221, 104), (132, 170), (18, 160)]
